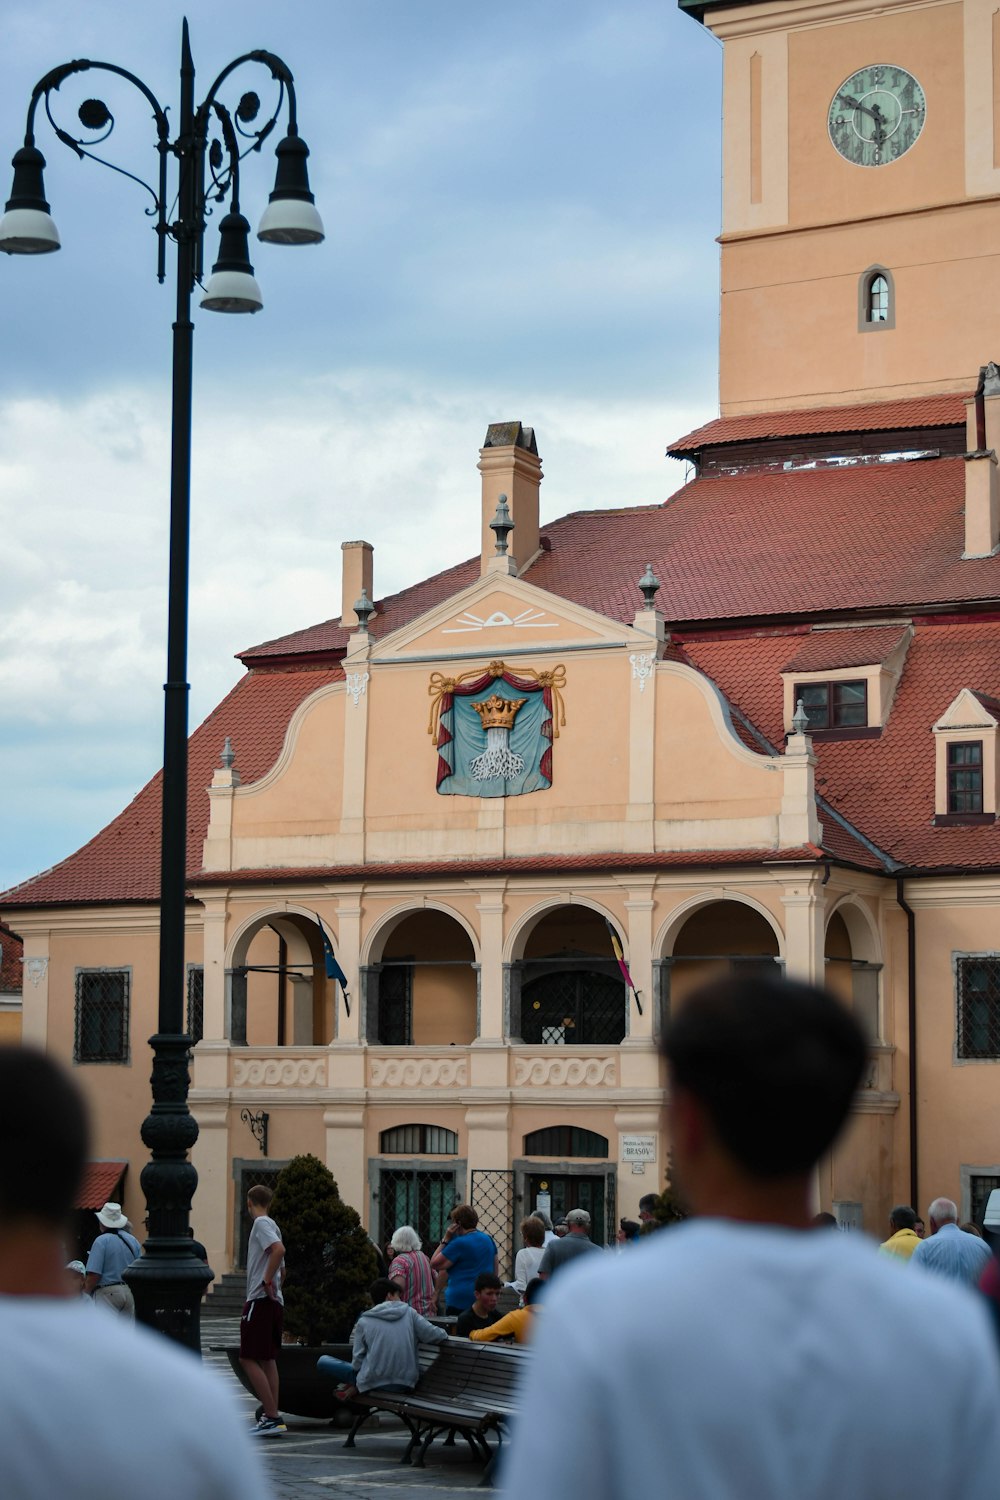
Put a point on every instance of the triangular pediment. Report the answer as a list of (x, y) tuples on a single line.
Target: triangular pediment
[(969, 711), (498, 614)]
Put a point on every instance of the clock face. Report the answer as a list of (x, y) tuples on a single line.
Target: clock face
[(876, 115)]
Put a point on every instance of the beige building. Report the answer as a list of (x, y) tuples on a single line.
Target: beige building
[(754, 727), (11, 985)]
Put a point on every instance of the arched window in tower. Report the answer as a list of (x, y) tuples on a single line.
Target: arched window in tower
[(876, 300)]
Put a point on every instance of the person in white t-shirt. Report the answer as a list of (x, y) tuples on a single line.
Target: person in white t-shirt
[(740, 1355), (262, 1322), (94, 1405)]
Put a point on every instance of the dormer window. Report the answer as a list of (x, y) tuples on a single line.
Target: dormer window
[(846, 679), (967, 747), (965, 776), (834, 705)]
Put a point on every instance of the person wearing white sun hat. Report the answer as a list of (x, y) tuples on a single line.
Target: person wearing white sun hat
[(111, 1252)]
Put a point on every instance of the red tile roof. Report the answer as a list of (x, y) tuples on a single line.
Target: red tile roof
[(100, 1180), (123, 862), (828, 650), (394, 611), (882, 416), (884, 786), (11, 962), (727, 547)]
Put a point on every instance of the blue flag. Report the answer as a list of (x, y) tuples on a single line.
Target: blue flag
[(333, 969)]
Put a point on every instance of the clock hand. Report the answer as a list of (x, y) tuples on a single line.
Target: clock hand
[(879, 134), (856, 104)]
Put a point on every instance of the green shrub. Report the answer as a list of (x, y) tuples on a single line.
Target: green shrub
[(669, 1207), (330, 1261)]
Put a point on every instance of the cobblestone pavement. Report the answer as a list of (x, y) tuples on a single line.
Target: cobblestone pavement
[(310, 1461)]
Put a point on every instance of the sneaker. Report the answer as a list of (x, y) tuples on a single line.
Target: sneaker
[(268, 1427)]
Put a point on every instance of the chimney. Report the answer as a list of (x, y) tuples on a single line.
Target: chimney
[(509, 464), (356, 575), (982, 493)]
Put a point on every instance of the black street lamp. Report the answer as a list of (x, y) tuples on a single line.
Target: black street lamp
[(169, 1281)]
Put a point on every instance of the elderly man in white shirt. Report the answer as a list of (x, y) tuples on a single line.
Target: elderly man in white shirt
[(948, 1250)]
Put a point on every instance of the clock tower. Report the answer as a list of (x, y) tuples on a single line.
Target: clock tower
[(861, 198)]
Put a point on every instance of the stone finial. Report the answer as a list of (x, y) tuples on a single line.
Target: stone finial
[(990, 377), (364, 609), (502, 525), (228, 756), (649, 585), (800, 720)]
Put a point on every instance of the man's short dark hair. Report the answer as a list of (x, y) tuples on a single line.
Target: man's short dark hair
[(260, 1196), (773, 1062), (486, 1280), (382, 1288), (46, 1138), (903, 1216), (648, 1202), (533, 1290)]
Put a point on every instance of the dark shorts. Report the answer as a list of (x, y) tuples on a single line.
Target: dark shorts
[(260, 1329)]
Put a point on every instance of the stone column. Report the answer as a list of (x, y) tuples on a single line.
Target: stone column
[(35, 987), (491, 907), (805, 924), (639, 907), (347, 1028), (213, 1198), (355, 752), (214, 926), (345, 1152)]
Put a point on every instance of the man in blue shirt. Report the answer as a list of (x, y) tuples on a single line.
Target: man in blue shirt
[(110, 1253), (948, 1250)]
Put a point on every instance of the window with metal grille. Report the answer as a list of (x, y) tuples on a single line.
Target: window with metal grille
[(423, 1199), (395, 1007), (565, 1141), (418, 1140), (980, 1188), (878, 300), (196, 1002), (251, 1177), (834, 705), (574, 1007), (965, 777), (102, 1013), (979, 1005)]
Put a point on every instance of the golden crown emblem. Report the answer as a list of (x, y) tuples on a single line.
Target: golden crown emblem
[(497, 712)]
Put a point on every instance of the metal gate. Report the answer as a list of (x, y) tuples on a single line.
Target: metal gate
[(493, 1200), (419, 1196), (250, 1177)]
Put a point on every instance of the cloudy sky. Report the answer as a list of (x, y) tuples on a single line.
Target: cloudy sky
[(520, 206)]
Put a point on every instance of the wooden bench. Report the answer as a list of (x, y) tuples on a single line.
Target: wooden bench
[(464, 1387)]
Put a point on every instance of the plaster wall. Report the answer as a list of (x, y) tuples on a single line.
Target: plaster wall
[(957, 1097), (703, 788), (799, 233)]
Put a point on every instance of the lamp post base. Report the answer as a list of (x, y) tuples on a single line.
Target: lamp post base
[(168, 1283)]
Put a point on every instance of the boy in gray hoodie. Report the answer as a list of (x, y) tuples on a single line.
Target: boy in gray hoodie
[(383, 1345)]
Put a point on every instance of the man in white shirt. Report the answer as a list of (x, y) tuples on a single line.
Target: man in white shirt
[(948, 1250), (739, 1354), (262, 1322), (96, 1406)]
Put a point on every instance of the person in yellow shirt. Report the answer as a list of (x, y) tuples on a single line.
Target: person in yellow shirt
[(517, 1323), (904, 1238)]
